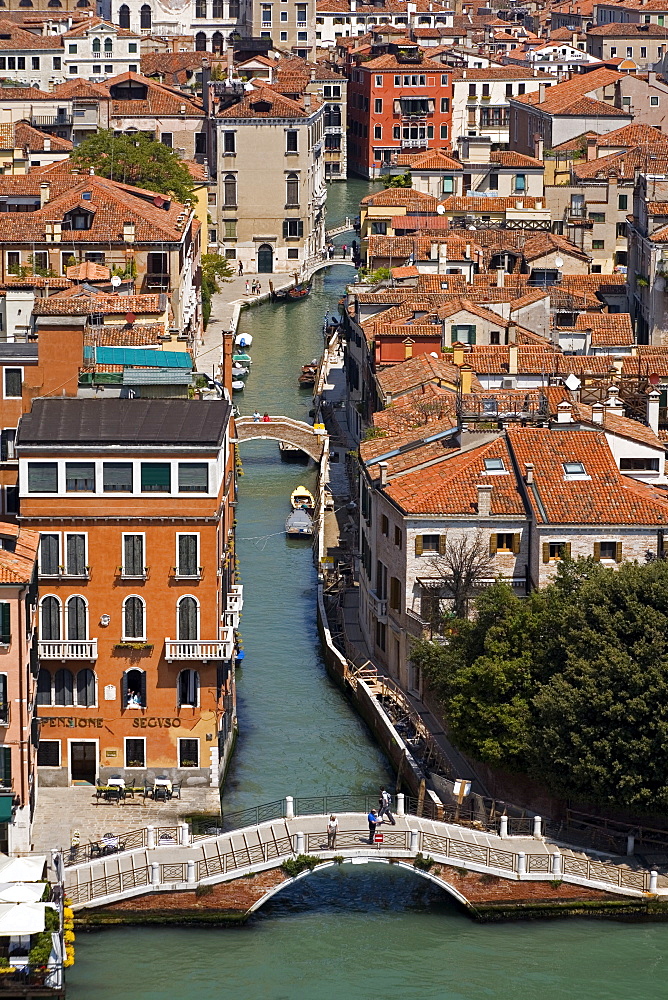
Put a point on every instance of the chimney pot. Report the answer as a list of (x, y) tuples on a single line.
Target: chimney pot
[(597, 413), (382, 468), (512, 357), (653, 400), (528, 477), (565, 413)]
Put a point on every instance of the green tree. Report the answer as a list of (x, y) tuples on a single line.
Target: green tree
[(137, 160), (215, 268), (404, 180)]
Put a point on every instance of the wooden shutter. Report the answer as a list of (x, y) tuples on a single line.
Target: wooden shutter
[(4, 708), (493, 544), (75, 557), (133, 555), (618, 552), (187, 619), (86, 688), (442, 541), (418, 545), (5, 623), (50, 618), (48, 555), (6, 767), (76, 618), (187, 555), (42, 477), (597, 551), (546, 552), (566, 550), (124, 690), (472, 331), (517, 538), (44, 695), (285, 229), (142, 688)]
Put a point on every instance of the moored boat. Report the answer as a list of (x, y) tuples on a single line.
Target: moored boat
[(302, 499), (243, 340), (299, 524), (295, 294), (238, 385), (242, 359)]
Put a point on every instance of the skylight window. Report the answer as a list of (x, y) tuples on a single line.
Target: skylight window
[(575, 470), (494, 465)]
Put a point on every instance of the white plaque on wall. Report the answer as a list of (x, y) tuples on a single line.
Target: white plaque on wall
[(110, 692)]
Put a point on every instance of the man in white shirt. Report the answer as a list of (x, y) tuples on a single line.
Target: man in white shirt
[(332, 830)]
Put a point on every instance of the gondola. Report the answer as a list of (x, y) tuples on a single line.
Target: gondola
[(295, 294)]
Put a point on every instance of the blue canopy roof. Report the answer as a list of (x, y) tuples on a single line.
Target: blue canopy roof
[(144, 358)]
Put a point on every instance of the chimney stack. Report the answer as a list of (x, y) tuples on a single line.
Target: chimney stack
[(382, 479), (653, 400), (484, 500), (44, 194), (597, 413), (512, 358), (500, 277), (565, 413), (613, 403), (458, 354), (591, 147), (528, 476), (541, 93), (466, 378)]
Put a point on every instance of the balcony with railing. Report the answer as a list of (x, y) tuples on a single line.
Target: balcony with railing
[(378, 605), (68, 649), (201, 649), (49, 121), (155, 280)]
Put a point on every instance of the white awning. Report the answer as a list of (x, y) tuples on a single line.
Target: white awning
[(21, 892), (21, 918), (29, 869)]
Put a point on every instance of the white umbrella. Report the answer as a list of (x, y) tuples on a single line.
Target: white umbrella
[(29, 869), (21, 892), (21, 918)]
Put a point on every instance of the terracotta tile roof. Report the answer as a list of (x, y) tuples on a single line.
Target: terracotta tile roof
[(138, 335), (18, 566), (448, 487), (8, 94), (424, 223), (536, 359), (433, 159), (460, 304), (509, 158), (545, 243), (562, 96), (112, 205), (13, 37), (79, 301), (31, 138), (177, 67), (391, 62), (624, 427), (617, 29), (80, 88), (652, 157), (396, 197), (418, 371), (477, 206), (578, 142), (608, 329), (632, 135), (263, 102), (404, 272), (88, 270), (644, 365), (160, 100), (606, 497)]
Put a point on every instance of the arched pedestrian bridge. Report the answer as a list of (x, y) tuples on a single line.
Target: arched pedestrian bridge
[(312, 440), (171, 860), (319, 264)]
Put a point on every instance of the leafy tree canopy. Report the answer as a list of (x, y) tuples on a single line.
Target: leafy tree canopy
[(569, 684), (137, 160)]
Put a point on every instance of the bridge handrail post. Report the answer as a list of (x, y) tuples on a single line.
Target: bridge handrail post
[(413, 842), (401, 804), (155, 873), (184, 835), (537, 823), (503, 827), (653, 881), (556, 865), (190, 872), (289, 807), (521, 864), (150, 837), (299, 843)]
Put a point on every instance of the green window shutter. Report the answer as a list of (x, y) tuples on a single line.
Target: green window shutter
[(597, 551), (285, 229), (454, 334), (471, 335), (193, 477), (418, 545), (6, 767), (566, 550), (155, 476), (546, 552), (493, 545), (618, 552), (5, 623), (516, 542), (442, 540), (42, 477)]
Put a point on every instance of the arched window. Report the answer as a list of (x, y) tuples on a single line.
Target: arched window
[(145, 17), (188, 619), (133, 618), (86, 688), (50, 623), (44, 687), (97, 45), (134, 689), (200, 42), (64, 688), (25, 3), (217, 12), (109, 45), (189, 687), (52, 3), (124, 16), (216, 39), (230, 191), (81, 3), (292, 191), (76, 619)]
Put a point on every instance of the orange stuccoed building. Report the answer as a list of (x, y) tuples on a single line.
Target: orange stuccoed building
[(138, 604)]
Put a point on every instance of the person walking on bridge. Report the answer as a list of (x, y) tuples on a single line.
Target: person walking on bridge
[(256, 417), (374, 823), (332, 830), (385, 803)]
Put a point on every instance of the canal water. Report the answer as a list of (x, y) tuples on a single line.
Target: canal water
[(354, 931)]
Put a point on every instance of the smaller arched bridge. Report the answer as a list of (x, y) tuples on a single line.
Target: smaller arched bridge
[(315, 264), (312, 440), (171, 860)]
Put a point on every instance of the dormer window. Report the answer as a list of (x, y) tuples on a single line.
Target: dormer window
[(79, 219), (575, 470), (261, 107)]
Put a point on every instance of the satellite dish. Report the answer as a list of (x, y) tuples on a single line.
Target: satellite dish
[(472, 229), (440, 209), (572, 382), (559, 261), (653, 379), (433, 354), (115, 281)]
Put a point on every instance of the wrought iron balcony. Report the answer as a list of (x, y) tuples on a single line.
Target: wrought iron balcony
[(68, 649)]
